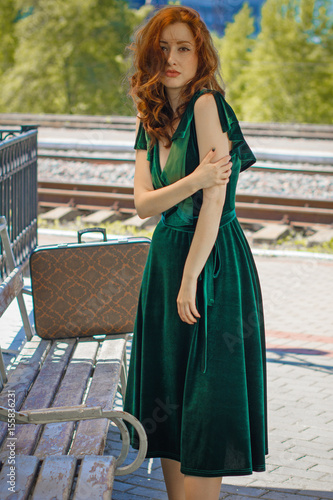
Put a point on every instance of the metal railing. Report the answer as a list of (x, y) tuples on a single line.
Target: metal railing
[(18, 191)]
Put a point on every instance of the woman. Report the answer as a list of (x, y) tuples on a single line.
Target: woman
[(197, 376)]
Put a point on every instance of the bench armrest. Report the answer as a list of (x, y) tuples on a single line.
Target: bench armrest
[(81, 412)]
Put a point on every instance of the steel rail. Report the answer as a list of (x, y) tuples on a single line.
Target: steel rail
[(116, 160), (115, 147), (290, 130)]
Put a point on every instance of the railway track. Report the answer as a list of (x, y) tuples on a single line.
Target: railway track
[(249, 207), (115, 151), (127, 123), (259, 166)]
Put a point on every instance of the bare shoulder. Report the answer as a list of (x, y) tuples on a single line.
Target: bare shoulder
[(209, 128), (206, 113), (205, 105)]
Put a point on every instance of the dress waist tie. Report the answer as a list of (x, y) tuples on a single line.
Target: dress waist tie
[(210, 271)]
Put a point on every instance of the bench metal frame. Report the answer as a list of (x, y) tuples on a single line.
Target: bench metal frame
[(10, 288), (81, 412)]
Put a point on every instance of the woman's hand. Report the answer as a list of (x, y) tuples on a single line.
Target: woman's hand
[(209, 174), (187, 309)]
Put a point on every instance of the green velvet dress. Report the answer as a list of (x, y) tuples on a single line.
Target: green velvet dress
[(200, 390)]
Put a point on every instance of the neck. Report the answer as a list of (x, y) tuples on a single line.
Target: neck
[(174, 98)]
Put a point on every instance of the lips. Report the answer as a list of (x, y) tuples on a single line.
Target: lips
[(172, 73)]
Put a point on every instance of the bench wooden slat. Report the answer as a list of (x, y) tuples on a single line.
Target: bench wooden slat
[(95, 480), (55, 479), (25, 473), (27, 366), (91, 435), (56, 437), (10, 288), (41, 395)]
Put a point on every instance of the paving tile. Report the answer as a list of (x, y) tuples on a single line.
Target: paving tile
[(307, 474), (234, 497), (239, 480), (149, 482), (298, 316), (324, 439), (318, 493), (314, 449), (270, 480), (154, 474), (121, 486), (276, 495), (155, 494), (239, 490), (309, 461), (125, 496), (314, 488), (324, 468)]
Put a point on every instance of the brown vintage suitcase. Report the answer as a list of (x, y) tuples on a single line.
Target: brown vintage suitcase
[(87, 289)]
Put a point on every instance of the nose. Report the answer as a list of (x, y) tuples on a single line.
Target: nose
[(171, 58)]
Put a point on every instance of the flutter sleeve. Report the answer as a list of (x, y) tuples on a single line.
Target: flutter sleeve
[(141, 141), (230, 124)]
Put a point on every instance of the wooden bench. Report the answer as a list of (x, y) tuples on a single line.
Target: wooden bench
[(55, 409)]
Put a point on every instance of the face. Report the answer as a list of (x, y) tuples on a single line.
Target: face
[(178, 45)]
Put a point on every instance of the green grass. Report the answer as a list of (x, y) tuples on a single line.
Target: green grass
[(115, 228), (293, 241)]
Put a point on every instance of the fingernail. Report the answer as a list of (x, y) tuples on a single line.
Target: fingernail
[(213, 149)]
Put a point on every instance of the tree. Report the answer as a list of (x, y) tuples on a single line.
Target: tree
[(290, 71), (70, 57), (234, 50), (7, 34)]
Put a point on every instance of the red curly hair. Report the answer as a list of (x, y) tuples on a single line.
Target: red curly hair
[(149, 62)]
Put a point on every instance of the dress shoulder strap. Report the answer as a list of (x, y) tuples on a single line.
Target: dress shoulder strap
[(140, 140)]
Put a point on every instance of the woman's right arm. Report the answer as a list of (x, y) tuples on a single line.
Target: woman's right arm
[(150, 201)]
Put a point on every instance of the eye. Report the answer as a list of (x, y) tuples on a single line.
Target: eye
[(164, 48), (184, 49)]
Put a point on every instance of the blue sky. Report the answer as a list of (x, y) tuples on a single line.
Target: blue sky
[(215, 13)]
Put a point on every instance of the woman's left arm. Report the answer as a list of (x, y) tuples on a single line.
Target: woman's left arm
[(209, 135)]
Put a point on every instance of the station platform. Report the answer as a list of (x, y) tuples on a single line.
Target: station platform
[(297, 297)]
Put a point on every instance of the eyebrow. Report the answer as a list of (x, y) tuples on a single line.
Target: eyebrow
[(178, 43)]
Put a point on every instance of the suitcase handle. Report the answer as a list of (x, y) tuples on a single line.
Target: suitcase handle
[(91, 230)]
